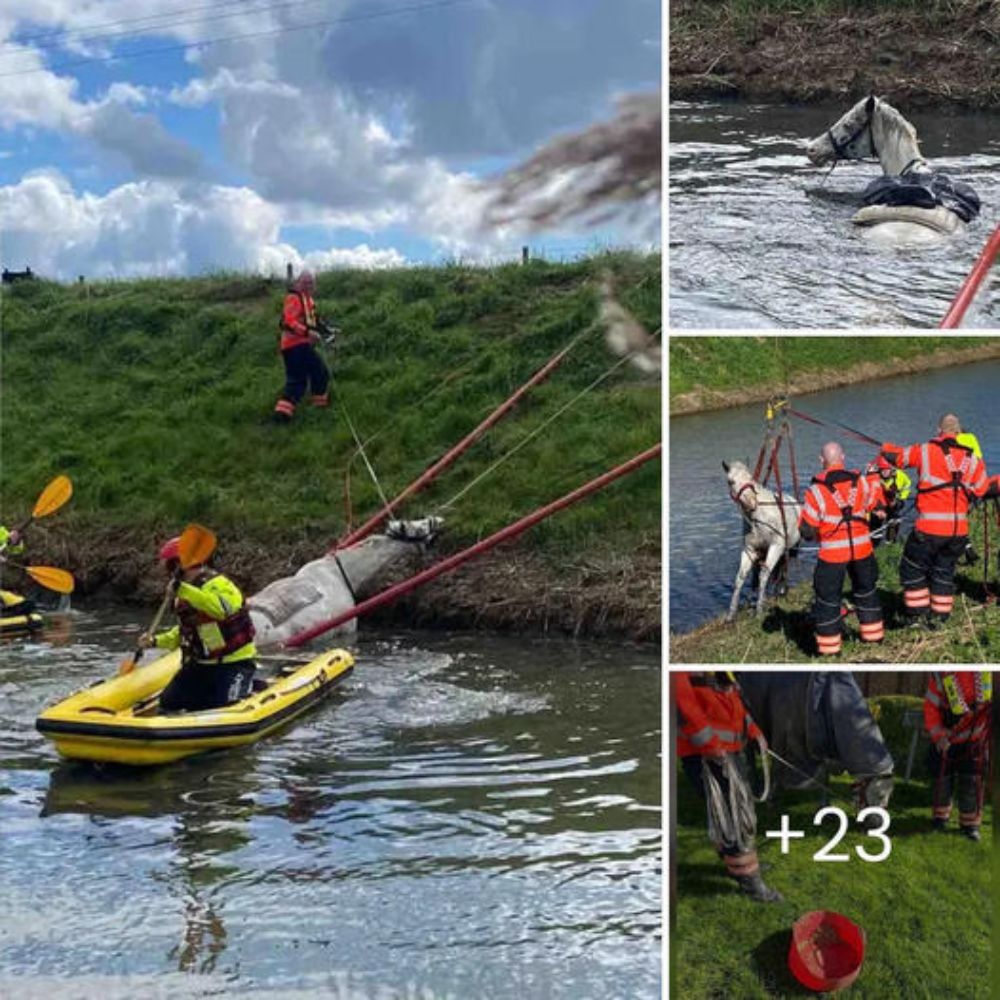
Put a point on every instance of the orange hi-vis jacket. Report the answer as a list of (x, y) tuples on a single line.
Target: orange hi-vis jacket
[(949, 476), (836, 505), (958, 705), (298, 320), (711, 716)]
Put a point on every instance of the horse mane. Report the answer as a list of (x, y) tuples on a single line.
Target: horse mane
[(895, 131)]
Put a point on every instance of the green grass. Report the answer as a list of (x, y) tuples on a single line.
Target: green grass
[(785, 635), (154, 396), (926, 910), (736, 363)]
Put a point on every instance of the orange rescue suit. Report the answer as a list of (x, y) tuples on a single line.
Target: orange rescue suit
[(298, 320), (950, 475), (712, 716), (836, 505)]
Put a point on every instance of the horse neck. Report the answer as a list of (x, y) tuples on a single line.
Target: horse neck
[(895, 145)]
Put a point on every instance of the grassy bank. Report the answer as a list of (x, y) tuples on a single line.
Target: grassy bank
[(724, 946), (785, 634), (710, 373), (814, 50), (155, 397)]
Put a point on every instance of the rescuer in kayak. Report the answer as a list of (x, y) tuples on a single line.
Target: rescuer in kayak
[(12, 604), (215, 632)]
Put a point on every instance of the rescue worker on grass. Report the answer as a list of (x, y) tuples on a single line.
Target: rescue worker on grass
[(950, 477), (835, 512), (300, 333), (957, 717), (214, 631), (895, 486), (713, 726)]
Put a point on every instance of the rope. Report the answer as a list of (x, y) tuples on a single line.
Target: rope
[(732, 819), (364, 454), (533, 434)]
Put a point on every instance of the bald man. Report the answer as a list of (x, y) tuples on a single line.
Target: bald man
[(835, 513), (950, 477)]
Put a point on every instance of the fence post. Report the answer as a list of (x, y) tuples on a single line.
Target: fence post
[(288, 272), (524, 255)]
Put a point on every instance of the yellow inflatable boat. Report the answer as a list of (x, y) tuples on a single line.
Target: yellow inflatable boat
[(13, 620), (115, 720)]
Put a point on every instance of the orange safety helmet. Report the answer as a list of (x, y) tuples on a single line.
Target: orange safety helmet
[(171, 549)]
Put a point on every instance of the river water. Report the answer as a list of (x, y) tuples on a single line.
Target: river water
[(705, 527), (469, 816), (761, 238)]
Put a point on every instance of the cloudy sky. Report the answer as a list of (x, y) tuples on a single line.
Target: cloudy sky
[(142, 137)]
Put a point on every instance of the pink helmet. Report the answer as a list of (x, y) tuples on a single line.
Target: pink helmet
[(171, 549), (305, 282)]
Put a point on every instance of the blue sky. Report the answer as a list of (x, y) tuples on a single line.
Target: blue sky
[(321, 132)]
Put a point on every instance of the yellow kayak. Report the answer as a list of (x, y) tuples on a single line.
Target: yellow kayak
[(12, 621), (115, 721)]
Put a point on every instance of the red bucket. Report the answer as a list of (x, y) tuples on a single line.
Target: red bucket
[(826, 951)]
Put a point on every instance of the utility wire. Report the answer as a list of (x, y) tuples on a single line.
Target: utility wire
[(139, 24), (185, 46)]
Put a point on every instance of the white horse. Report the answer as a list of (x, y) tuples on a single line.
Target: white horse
[(770, 530), (875, 129)]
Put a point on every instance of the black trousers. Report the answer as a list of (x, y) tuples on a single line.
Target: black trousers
[(959, 772), (930, 560), (304, 366), (197, 686), (828, 585)]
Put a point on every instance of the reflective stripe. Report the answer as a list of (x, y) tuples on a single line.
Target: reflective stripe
[(932, 697), (957, 516), (701, 737), (859, 540)]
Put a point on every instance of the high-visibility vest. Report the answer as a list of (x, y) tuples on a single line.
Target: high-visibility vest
[(958, 705), (836, 505), (950, 475), (214, 623), (298, 319), (969, 440), (711, 716)]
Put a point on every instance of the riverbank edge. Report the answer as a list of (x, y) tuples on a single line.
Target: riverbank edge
[(511, 589), (907, 56), (703, 399)]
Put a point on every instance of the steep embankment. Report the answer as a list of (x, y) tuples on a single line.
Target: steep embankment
[(915, 53), (785, 634), (155, 397), (712, 373)]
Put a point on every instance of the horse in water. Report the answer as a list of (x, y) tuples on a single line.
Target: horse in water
[(770, 530), (910, 203)]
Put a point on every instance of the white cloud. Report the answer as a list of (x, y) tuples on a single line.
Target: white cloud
[(153, 228)]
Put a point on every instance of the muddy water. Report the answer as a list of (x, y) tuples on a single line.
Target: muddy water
[(468, 817), (761, 238), (705, 528)]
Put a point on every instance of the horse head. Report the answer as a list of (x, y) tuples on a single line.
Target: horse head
[(742, 487), (849, 138)]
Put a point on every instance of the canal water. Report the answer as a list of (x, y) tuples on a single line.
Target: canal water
[(469, 816), (705, 527), (761, 238)]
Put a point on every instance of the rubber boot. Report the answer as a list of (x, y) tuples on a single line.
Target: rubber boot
[(972, 832), (918, 619), (755, 887), (940, 825)]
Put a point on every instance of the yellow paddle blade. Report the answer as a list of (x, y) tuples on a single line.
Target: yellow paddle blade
[(53, 496), (59, 580), (196, 545)]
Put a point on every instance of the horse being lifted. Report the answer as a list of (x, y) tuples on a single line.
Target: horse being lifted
[(770, 530), (911, 203)]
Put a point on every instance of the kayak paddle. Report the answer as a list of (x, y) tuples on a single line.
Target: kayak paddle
[(50, 500), (59, 580), (196, 545)]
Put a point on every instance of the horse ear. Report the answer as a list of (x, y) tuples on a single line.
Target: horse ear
[(870, 104), (725, 466)]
